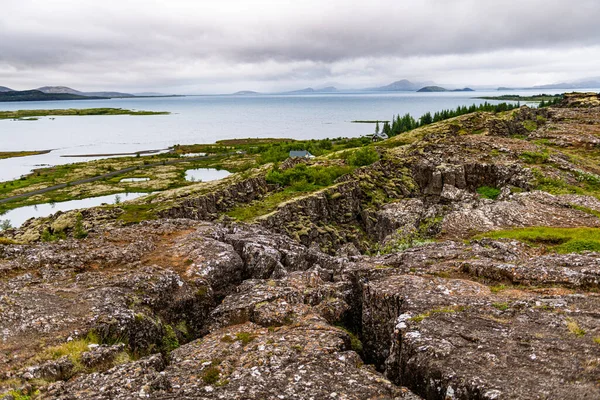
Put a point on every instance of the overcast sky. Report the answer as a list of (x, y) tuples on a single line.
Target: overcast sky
[(201, 46)]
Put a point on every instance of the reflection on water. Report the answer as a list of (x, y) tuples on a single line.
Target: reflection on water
[(205, 174), (17, 216), (134, 180)]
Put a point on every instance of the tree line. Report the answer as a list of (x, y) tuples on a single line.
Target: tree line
[(405, 123)]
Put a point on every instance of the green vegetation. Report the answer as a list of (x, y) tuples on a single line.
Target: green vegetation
[(533, 157), (75, 112), (4, 240), (12, 154), (574, 328), (355, 342), (407, 122), (304, 176), (211, 375), (442, 310), (245, 337), (169, 340), (530, 125), (301, 179), (362, 157), (79, 231), (560, 240), (488, 192), (501, 306), (546, 99)]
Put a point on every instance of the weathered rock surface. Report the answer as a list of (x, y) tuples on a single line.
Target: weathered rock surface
[(374, 288)]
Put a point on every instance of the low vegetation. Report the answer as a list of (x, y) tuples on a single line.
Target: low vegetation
[(560, 240), (12, 154), (18, 114)]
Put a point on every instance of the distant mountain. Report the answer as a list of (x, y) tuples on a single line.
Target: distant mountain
[(505, 88), (36, 95), (403, 85), (68, 90), (328, 89), (245, 92), (441, 89), (5, 89), (151, 94), (580, 84)]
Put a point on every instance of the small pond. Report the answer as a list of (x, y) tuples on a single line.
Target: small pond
[(22, 214), (205, 174), (134, 180)]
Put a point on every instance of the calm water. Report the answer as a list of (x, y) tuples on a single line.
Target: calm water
[(205, 174), (206, 119), (22, 214)]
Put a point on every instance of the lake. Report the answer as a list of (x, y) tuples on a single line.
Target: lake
[(206, 119), (17, 216)]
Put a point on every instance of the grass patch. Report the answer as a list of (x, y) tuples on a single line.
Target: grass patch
[(560, 240), (211, 375), (134, 213), (442, 310), (574, 328), (12, 154), (533, 157), (245, 337), (530, 125), (488, 192), (75, 112), (4, 240), (500, 306)]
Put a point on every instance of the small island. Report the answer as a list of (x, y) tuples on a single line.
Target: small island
[(23, 114), (555, 98), (433, 89)]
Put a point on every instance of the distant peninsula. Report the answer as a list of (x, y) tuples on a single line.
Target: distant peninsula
[(429, 89), (48, 93), (19, 114), (36, 95)]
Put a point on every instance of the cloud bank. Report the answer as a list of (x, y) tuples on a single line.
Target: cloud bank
[(204, 46)]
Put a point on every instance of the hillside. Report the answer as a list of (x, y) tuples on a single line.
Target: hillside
[(36, 95), (5, 89), (68, 90), (458, 260)]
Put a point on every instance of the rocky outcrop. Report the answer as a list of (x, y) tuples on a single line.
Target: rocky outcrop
[(405, 302), (207, 206)]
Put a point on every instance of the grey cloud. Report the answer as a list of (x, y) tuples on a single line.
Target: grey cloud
[(134, 42)]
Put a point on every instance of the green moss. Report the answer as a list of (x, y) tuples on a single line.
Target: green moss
[(134, 213), (587, 210), (501, 306), (533, 157), (211, 375), (4, 240), (488, 192), (561, 240), (169, 339), (355, 342), (245, 337), (442, 310), (574, 328), (530, 125), (498, 288), (597, 340)]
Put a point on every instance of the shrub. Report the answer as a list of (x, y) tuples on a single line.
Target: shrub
[(488, 192), (363, 156)]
